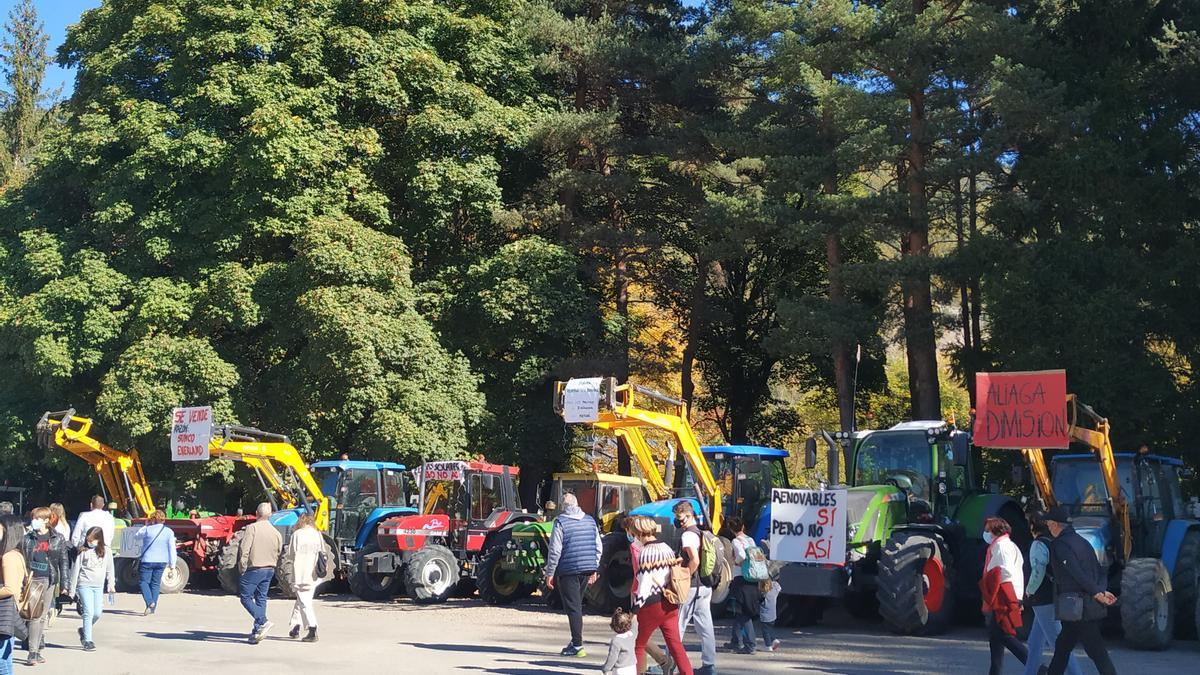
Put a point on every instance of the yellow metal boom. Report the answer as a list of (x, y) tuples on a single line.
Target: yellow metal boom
[(278, 464), (621, 414), (120, 471)]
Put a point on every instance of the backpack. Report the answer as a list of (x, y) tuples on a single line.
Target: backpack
[(754, 567), (712, 551), (679, 584), (35, 597)]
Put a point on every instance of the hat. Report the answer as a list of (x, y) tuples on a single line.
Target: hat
[(1059, 514)]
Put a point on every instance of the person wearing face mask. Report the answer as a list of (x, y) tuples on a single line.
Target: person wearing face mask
[(571, 564), (91, 574), (46, 555), (698, 608), (1003, 588)]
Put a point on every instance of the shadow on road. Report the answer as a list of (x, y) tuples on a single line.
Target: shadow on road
[(477, 649), (201, 636)]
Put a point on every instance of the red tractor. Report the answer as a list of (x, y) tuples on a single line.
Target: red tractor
[(465, 508)]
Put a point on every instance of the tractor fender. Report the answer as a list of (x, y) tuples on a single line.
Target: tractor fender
[(366, 532), (1173, 539)]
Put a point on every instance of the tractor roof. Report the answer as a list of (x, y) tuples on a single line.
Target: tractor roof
[(918, 425), (344, 464), (600, 477), (744, 450), (485, 467), (1161, 459)]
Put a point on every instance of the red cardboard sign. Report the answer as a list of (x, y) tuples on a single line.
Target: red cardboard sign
[(1021, 410)]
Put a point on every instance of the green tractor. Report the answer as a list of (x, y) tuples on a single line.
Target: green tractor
[(914, 546), (515, 570)]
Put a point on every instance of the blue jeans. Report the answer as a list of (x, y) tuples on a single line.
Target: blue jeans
[(6, 650), (1045, 630), (252, 589), (768, 632), (91, 599), (150, 576)]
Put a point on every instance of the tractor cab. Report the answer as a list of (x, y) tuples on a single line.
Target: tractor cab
[(746, 475), (604, 496), (361, 494)]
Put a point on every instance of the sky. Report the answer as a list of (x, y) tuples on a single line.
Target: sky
[(56, 15)]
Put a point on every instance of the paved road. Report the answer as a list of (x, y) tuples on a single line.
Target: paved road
[(206, 632)]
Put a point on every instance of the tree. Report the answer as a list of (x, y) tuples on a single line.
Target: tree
[(28, 108)]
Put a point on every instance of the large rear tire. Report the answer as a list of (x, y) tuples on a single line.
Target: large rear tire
[(128, 578), (431, 574), (1184, 584), (374, 587), (720, 593), (497, 584), (227, 564), (1147, 616), (614, 582), (916, 584)]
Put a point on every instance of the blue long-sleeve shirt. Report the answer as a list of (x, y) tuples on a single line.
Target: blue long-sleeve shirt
[(1039, 558), (158, 544)]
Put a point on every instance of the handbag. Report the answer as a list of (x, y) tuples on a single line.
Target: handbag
[(679, 584), (322, 566), (35, 596), (1078, 607)]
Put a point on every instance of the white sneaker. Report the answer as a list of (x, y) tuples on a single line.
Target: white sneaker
[(774, 646), (262, 632)]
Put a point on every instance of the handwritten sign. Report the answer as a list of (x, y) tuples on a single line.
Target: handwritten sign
[(445, 471), (1021, 410), (191, 430), (581, 400), (808, 526)]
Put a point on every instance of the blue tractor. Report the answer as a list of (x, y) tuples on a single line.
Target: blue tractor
[(1130, 507)]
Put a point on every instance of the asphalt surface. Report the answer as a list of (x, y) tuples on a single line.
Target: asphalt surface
[(206, 632)]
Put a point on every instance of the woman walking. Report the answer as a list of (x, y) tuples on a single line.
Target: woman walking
[(91, 574), (12, 568), (654, 612), (46, 556), (1040, 596), (1003, 587), (745, 601), (665, 666), (304, 549), (158, 551)]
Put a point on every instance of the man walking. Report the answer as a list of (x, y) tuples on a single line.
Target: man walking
[(97, 517), (258, 554), (698, 608), (1077, 573), (571, 564)]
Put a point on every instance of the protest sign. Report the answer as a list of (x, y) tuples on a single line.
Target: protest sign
[(581, 400), (445, 471), (1021, 410), (191, 430), (808, 526)]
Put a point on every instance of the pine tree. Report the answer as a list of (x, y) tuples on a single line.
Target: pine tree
[(27, 106)]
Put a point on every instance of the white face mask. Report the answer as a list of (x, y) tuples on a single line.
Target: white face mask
[(988, 538), (37, 524), (91, 544)]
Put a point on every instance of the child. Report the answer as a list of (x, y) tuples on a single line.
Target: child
[(621, 657), (766, 616)]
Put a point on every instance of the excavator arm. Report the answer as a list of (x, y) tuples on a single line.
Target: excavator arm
[(620, 413), (120, 472), (278, 464)]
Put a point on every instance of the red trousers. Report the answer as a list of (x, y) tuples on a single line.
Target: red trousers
[(663, 617)]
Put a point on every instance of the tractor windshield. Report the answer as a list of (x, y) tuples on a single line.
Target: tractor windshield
[(442, 496), (903, 458), (1079, 484), (584, 491)]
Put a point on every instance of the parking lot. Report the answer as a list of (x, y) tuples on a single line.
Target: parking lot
[(206, 632)]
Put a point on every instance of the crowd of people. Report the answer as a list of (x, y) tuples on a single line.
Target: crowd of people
[(45, 564)]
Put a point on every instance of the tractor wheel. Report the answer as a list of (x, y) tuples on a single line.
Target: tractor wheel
[(799, 610), (374, 587), (175, 578), (721, 593), (916, 584), (284, 582), (614, 584), (1146, 612), (1184, 584), (128, 577), (431, 574), (227, 564), (498, 586)]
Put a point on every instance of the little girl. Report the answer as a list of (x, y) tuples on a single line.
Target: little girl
[(621, 657), (769, 590)]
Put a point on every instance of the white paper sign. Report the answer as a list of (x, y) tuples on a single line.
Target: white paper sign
[(581, 400), (808, 526), (191, 430), (445, 471)]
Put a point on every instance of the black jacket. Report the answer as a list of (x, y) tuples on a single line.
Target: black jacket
[(60, 560), (1076, 569)]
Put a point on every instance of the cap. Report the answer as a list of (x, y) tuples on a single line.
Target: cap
[(1059, 514)]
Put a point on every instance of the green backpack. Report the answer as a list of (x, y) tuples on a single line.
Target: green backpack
[(712, 551)]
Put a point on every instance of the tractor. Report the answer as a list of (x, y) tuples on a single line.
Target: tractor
[(515, 571), (915, 527), (466, 511), (1130, 508)]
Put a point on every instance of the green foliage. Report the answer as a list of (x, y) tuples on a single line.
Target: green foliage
[(28, 110)]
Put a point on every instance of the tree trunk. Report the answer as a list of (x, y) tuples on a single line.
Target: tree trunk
[(920, 340), (843, 366), (687, 385), (964, 300)]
